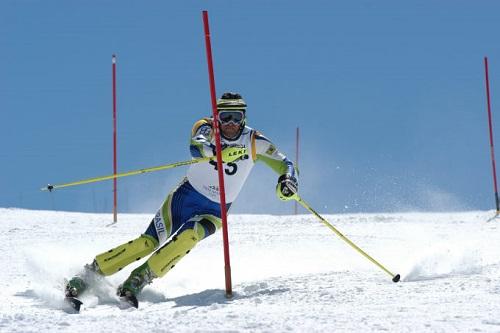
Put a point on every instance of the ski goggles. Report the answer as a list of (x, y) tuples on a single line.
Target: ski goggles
[(231, 116)]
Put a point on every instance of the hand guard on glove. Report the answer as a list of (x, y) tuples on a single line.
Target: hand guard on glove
[(232, 153), (287, 187)]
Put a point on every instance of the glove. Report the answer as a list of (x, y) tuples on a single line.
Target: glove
[(287, 187), (232, 153)]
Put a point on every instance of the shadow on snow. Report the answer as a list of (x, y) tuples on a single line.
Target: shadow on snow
[(218, 296)]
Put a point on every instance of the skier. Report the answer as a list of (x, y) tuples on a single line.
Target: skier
[(191, 212)]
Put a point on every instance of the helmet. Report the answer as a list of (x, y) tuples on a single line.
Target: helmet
[(232, 101)]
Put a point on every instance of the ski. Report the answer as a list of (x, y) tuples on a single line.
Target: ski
[(74, 303), (129, 300)]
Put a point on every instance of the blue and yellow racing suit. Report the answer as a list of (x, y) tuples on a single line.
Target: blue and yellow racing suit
[(191, 212)]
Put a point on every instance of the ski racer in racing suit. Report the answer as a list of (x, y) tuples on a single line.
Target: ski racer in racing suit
[(191, 212)]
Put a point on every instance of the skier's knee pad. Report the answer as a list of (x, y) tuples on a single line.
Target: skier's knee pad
[(169, 254), (115, 259), (205, 225)]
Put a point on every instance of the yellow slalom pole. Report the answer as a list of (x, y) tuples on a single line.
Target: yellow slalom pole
[(395, 278), (125, 174)]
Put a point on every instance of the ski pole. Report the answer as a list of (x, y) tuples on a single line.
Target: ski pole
[(395, 278), (129, 173)]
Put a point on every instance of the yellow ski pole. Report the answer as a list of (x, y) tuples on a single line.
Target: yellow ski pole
[(395, 278), (125, 174)]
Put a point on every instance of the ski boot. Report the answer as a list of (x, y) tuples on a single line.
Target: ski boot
[(74, 287), (138, 279), (91, 275)]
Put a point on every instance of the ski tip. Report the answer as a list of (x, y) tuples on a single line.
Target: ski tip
[(130, 301), (396, 278), (74, 304)]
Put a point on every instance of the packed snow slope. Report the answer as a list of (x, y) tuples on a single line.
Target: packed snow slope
[(290, 273)]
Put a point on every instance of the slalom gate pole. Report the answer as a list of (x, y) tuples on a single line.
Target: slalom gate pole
[(395, 278), (115, 189), (490, 125), (125, 174), (296, 162), (220, 169)]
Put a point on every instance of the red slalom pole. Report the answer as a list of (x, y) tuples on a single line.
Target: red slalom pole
[(296, 160), (115, 190), (492, 149), (225, 237)]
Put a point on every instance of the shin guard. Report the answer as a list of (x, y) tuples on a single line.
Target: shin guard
[(115, 259), (168, 255)]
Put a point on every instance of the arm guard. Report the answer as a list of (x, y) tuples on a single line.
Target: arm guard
[(272, 157), (201, 137)]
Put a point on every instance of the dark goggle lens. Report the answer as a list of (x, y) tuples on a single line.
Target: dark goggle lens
[(231, 116)]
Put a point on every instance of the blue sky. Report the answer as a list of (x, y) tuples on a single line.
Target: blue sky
[(389, 97)]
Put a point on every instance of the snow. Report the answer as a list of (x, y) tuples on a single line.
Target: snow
[(290, 274)]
